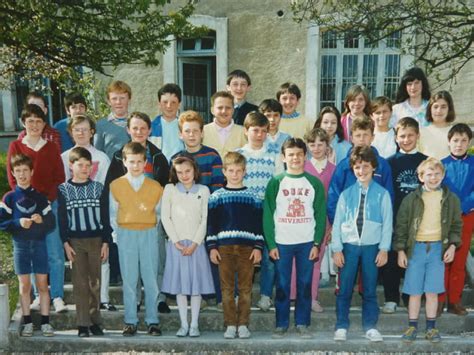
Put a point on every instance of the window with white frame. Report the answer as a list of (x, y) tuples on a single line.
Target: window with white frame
[(348, 60)]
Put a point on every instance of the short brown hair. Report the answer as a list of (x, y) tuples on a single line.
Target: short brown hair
[(77, 153), (224, 94), (460, 128), (182, 159), (133, 148), (20, 159), (363, 123), (288, 88), (432, 163), (441, 95), (190, 116), (234, 158), (32, 110), (352, 93), (78, 119), (256, 119), (293, 143), (365, 154), (120, 87), (315, 133), (378, 102), (141, 116), (407, 122)]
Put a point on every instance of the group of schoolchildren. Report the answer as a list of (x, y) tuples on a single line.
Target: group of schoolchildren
[(193, 208)]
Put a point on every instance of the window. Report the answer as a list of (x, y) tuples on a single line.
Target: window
[(348, 60)]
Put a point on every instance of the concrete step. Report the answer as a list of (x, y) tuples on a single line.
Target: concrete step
[(214, 343), (326, 296), (211, 319)]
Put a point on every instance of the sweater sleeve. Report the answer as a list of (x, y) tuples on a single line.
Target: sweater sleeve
[(105, 216), (7, 222), (319, 208), (62, 217), (257, 222), (166, 206), (455, 224), (161, 169), (387, 224), (212, 222), (335, 189), (201, 229), (269, 207), (402, 224), (217, 177), (336, 235)]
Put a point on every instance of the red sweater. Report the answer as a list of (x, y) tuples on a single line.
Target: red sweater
[(47, 166), (49, 133)]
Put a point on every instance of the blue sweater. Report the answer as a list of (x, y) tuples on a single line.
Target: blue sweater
[(83, 211), (460, 180), (344, 177), (66, 140), (234, 218), (23, 203)]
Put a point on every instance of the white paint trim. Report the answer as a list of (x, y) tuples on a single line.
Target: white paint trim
[(220, 26), (313, 65), (9, 109)]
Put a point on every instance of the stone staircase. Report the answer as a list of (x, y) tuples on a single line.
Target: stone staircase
[(457, 332)]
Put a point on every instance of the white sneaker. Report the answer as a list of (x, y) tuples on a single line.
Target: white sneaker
[(230, 332), (340, 334), (244, 332), (264, 303), (35, 306), (27, 330), (316, 307), (47, 330), (389, 307), (373, 335), (59, 305)]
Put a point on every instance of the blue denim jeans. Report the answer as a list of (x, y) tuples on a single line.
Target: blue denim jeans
[(56, 259), (267, 274), (138, 256), (304, 275), (355, 255)]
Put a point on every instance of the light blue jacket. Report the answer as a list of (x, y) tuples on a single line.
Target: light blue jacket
[(377, 227)]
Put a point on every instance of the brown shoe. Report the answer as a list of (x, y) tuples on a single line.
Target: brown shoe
[(457, 308), (440, 309)]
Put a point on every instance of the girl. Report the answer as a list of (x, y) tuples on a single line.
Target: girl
[(412, 97), (330, 120), (384, 136), (356, 105), (434, 138), (187, 268), (318, 145)]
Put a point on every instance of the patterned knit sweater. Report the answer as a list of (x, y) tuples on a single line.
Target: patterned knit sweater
[(234, 218), (83, 211)]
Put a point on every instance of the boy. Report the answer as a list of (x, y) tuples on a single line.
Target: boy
[(405, 180), (75, 104), (111, 134), (459, 179), (134, 205), (234, 240), (26, 214), (273, 110), (50, 134), (362, 136), (49, 173), (361, 235), (292, 122), (85, 232), (239, 84), (294, 221), (164, 128), (427, 233), (223, 134), (156, 168), (262, 164), (208, 159), (384, 137)]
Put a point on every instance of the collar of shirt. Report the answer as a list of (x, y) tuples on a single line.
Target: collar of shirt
[(136, 182), (41, 143), (414, 151), (181, 188), (223, 132), (119, 121), (319, 165), (239, 105), (291, 115)]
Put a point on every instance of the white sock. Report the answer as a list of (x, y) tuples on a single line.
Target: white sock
[(182, 302), (195, 308)]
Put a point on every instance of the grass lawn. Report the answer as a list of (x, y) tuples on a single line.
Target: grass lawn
[(7, 274)]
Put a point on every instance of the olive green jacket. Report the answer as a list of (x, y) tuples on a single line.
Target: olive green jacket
[(409, 218)]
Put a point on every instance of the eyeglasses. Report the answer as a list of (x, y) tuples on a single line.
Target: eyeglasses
[(34, 123), (81, 130)]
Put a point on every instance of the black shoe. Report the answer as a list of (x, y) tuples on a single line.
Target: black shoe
[(83, 332), (96, 330), (154, 329), (138, 307), (129, 330), (163, 308), (108, 307)]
